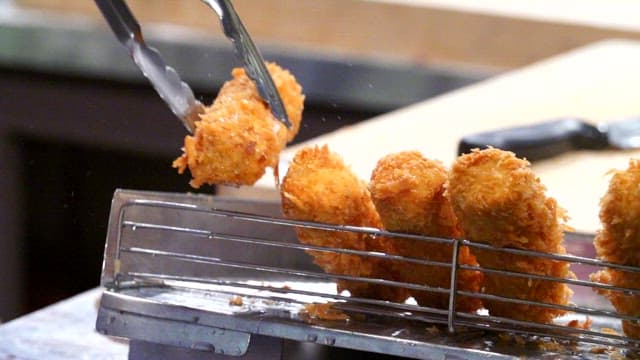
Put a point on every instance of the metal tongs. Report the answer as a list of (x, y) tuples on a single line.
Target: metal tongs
[(175, 92)]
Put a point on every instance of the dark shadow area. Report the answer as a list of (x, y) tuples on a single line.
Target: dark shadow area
[(68, 195)]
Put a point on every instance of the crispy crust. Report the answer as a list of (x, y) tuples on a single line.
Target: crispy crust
[(237, 137), (499, 201), (408, 192), (619, 242), (320, 187)]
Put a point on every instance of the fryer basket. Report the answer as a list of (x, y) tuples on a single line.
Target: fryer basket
[(207, 274)]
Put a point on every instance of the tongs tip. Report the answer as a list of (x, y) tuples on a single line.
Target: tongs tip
[(165, 79), (251, 59)]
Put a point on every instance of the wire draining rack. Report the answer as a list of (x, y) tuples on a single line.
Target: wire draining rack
[(213, 274)]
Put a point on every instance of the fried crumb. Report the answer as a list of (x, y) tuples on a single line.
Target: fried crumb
[(519, 340), (236, 301), (617, 355), (609, 331), (599, 350), (512, 338), (433, 330), (573, 324), (586, 325), (550, 346), (325, 312), (544, 344)]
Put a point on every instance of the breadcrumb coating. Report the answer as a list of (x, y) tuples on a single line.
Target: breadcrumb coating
[(320, 187), (499, 201), (619, 242), (238, 137), (408, 192)]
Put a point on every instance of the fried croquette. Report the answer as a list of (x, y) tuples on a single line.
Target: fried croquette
[(499, 201), (408, 192), (319, 187), (619, 242), (238, 137)]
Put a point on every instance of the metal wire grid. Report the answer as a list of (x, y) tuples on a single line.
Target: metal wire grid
[(452, 319)]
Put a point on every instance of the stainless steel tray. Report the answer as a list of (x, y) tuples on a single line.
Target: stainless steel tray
[(207, 273)]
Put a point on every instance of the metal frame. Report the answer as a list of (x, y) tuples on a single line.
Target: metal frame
[(135, 292)]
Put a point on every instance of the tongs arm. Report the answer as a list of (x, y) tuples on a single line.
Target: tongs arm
[(176, 93), (166, 81), (250, 56)]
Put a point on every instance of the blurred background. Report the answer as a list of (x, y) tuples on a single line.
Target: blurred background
[(78, 120)]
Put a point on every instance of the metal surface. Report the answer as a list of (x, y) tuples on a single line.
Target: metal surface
[(623, 134), (549, 138), (181, 259), (175, 92), (262, 348)]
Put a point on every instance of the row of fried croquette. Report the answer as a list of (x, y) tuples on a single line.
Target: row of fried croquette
[(619, 242), (488, 196), (411, 194), (319, 187), (408, 191)]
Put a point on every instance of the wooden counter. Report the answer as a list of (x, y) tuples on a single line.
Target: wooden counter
[(490, 35), (597, 82)]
